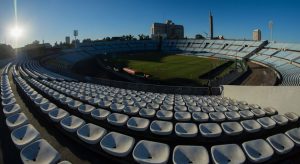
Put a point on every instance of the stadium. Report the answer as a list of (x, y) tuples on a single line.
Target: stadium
[(209, 100)]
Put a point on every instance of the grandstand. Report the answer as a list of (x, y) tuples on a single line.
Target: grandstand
[(53, 116)]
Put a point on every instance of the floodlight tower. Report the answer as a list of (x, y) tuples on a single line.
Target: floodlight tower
[(271, 30), (75, 35)]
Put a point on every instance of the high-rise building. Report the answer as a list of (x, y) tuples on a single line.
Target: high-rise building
[(211, 25), (256, 35), (68, 40), (167, 30)]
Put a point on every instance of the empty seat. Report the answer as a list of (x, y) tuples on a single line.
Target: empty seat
[(153, 105), (186, 129), (270, 110), (281, 143), (117, 107), (100, 114), (138, 124), (8, 101), (232, 108), (16, 120), (166, 107), (117, 144), (40, 101), (74, 104), (280, 119), (254, 106), (180, 108), (91, 133), (217, 116), (11, 109), (229, 153), (207, 109), (164, 114), (194, 109), (131, 110), (294, 134), (149, 152), (190, 154), (72, 123), (258, 150), (161, 127), (210, 129), (232, 128), (293, 117), (24, 135), (58, 114), (117, 119), (39, 151), (258, 112), (94, 101), (232, 115), (200, 116), (246, 114), (86, 108), (251, 126), (47, 107), (183, 116), (266, 122), (220, 109), (146, 112)]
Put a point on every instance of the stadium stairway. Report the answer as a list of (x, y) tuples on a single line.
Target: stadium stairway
[(84, 122)]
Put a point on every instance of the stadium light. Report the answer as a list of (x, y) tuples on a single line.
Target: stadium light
[(271, 30)]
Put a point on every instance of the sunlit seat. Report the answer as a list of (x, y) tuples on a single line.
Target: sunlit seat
[(138, 124), (100, 114), (294, 135), (292, 117), (131, 110), (86, 108), (200, 116), (251, 126), (24, 135), (210, 129), (232, 128), (117, 119), (280, 119), (161, 127), (72, 123), (229, 153), (190, 154), (266, 122), (91, 133), (58, 114), (16, 120), (183, 116), (258, 150), (281, 143), (146, 112), (11, 109), (217, 116), (47, 107), (186, 129)]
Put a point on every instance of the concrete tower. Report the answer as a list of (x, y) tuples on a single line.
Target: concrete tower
[(211, 25)]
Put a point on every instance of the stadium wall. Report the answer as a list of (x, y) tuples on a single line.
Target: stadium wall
[(283, 98)]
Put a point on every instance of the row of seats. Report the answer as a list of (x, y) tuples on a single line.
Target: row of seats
[(24, 135), (148, 151)]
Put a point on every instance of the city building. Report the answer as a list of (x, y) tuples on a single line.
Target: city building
[(256, 35), (68, 40), (167, 30), (211, 26)]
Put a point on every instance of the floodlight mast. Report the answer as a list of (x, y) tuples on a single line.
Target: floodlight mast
[(75, 35), (271, 30)]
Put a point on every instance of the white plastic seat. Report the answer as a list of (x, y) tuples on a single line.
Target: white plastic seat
[(280, 119), (229, 153), (72, 123), (164, 114), (220, 109), (86, 108), (16, 120), (217, 116), (180, 108), (153, 106), (24, 135), (251, 126), (270, 110), (183, 116), (194, 109), (104, 104), (258, 112), (138, 124), (74, 104), (149, 152), (9, 101), (258, 150), (38, 152), (166, 107), (200, 116), (91, 133), (117, 144), (190, 154), (232, 108), (292, 117), (161, 127), (65, 100), (146, 112), (131, 110), (11, 109), (140, 104), (47, 107), (232, 128), (100, 114), (207, 109), (246, 114), (186, 129), (210, 129), (254, 106), (232, 115), (281, 143), (117, 107), (94, 101), (294, 135), (266, 122), (117, 119), (58, 114), (40, 101)]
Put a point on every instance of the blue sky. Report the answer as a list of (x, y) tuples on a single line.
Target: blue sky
[(52, 20)]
